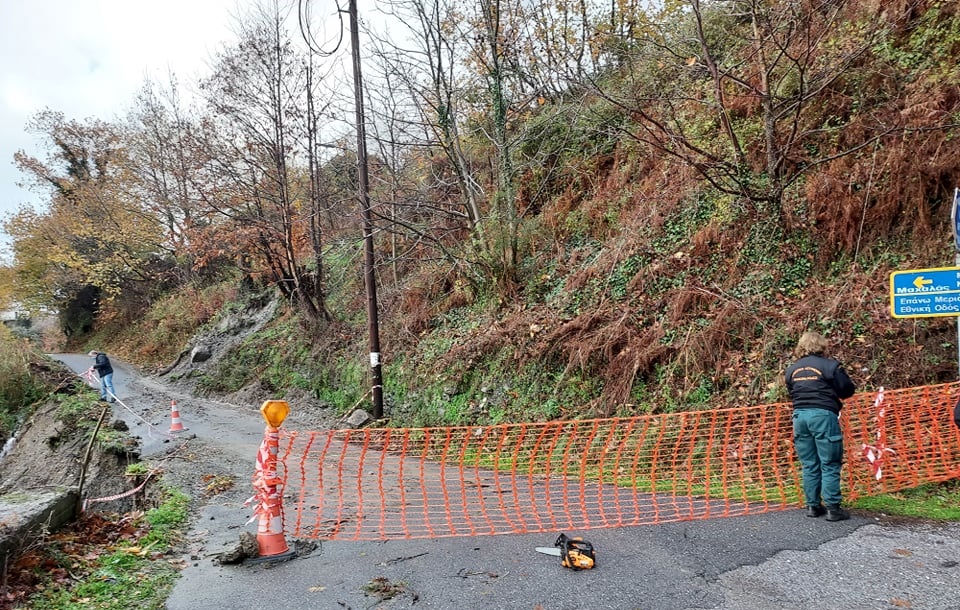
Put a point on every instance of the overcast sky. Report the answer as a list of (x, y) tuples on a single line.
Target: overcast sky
[(87, 58)]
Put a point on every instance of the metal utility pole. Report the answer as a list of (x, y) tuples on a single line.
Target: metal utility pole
[(369, 278)]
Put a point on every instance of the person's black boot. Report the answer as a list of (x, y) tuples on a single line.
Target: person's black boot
[(816, 511), (835, 513)]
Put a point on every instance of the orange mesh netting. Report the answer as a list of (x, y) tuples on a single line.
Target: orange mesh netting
[(374, 484)]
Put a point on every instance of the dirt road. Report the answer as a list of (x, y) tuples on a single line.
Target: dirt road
[(779, 560)]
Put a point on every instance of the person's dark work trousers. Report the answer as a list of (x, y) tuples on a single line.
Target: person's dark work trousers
[(819, 444)]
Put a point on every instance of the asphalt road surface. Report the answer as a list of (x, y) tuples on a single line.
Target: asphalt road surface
[(773, 561)]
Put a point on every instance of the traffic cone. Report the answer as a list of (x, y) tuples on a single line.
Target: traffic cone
[(271, 544), (175, 424), (270, 540)]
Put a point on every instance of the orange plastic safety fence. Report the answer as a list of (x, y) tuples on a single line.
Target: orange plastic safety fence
[(374, 484)]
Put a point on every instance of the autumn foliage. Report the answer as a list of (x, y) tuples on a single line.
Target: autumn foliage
[(606, 211)]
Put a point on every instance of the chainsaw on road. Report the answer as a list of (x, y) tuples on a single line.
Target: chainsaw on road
[(574, 553)]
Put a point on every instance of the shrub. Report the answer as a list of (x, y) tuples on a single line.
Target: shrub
[(18, 388)]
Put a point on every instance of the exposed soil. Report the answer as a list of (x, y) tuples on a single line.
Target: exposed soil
[(212, 460), (51, 448), (49, 454)]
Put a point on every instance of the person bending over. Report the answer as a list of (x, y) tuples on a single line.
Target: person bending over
[(101, 364)]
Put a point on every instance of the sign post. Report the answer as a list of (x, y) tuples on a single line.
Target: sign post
[(955, 223), (925, 293)]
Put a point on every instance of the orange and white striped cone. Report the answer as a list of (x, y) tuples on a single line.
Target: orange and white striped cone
[(270, 539), (271, 544), (175, 424)]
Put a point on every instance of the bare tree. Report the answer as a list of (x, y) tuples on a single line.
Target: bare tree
[(492, 54), (256, 96), (460, 68), (161, 160), (426, 67), (798, 53)]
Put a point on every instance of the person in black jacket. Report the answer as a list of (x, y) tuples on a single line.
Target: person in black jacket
[(101, 364), (817, 384)]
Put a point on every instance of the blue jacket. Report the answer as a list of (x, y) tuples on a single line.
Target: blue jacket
[(102, 364), (816, 382)]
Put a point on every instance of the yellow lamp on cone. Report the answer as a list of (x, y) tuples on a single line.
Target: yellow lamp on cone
[(274, 412)]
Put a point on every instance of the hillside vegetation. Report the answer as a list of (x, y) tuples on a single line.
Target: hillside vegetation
[(646, 229)]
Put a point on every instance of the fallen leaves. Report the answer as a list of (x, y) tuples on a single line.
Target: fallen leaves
[(383, 589), (217, 484), (139, 551), (58, 559)]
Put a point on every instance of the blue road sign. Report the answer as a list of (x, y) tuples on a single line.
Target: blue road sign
[(925, 293)]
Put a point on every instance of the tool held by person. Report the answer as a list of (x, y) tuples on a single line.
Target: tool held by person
[(574, 553)]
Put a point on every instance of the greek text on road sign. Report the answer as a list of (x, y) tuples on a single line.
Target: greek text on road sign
[(924, 293)]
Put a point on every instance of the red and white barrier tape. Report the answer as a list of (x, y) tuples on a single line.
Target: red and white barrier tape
[(95, 383), (125, 494), (876, 455), (265, 480), (117, 496)]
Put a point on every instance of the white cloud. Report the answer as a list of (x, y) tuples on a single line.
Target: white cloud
[(16, 98)]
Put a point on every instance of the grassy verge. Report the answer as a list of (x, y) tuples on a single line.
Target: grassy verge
[(939, 501), (18, 388), (106, 564)]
